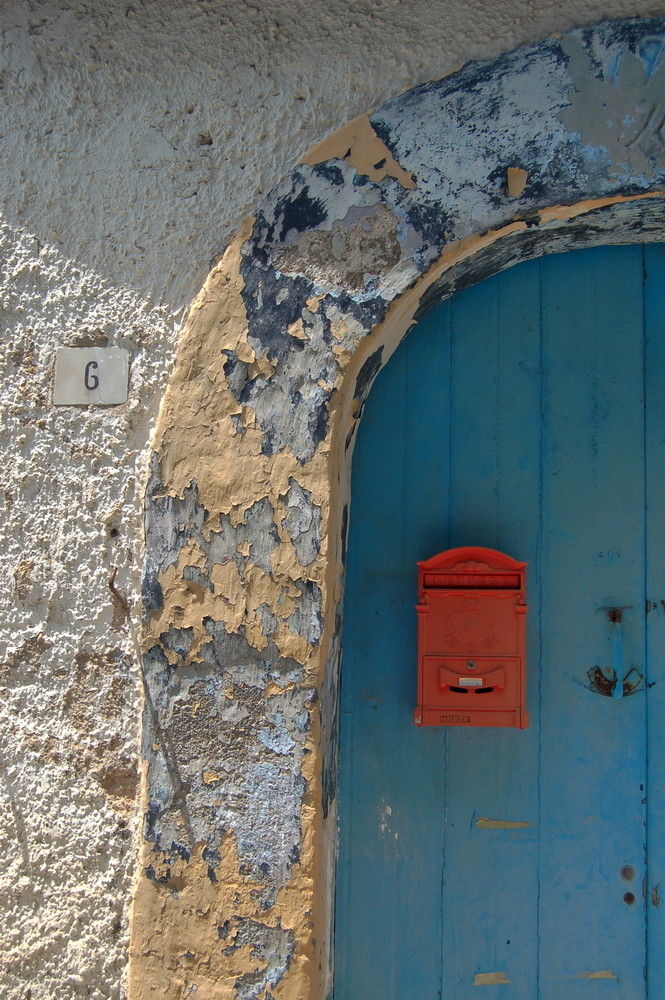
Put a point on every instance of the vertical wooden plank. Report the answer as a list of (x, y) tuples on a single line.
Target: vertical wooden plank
[(490, 898), (654, 325), (429, 377), (593, 747), (391, 781), (473, 442), (360, 851)]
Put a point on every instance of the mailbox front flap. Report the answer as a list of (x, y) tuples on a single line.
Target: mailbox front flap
[(493, 676)]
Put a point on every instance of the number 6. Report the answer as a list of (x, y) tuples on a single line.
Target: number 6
[(91, 381)]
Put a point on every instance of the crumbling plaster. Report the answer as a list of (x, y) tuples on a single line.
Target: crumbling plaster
[(136, 137), (279, 353)]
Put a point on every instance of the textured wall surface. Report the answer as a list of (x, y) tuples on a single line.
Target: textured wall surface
[(136, 137)]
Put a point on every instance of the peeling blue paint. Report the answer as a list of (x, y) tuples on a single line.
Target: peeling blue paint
[(303, 522)]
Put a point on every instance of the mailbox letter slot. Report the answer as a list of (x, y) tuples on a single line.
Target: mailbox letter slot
[(471, 640)]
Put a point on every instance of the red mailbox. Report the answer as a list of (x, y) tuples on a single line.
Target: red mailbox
[(471, 640)]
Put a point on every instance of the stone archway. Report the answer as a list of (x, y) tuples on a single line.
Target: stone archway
[(554, 146)]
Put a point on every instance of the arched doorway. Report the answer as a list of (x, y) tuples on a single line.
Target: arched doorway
[(525, 414), (247, 503)]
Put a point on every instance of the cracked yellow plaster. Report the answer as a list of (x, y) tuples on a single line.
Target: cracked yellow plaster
[(177, 949), (343, 355), (285, 563), (180, 919), (297, 330), (195, 421), (273, 689), (359, 145), (234, 602), (338, 328), (261, 366)]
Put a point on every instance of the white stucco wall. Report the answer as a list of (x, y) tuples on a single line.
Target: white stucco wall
[(135, 137)]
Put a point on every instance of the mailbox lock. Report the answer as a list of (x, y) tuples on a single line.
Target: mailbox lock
[(471, 664)]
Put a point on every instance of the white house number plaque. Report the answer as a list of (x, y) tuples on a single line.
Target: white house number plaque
[(98, 375)]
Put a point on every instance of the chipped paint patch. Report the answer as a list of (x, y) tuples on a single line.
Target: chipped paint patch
[(385, 817), (358, 143), (218, 945), (516, 179), (485, 823), (490, 979), (603, 974)]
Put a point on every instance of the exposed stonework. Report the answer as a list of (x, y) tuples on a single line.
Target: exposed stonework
[(248, 507), (342, 257)]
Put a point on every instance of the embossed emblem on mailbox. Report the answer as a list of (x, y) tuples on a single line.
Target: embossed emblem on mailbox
[(471, 639)]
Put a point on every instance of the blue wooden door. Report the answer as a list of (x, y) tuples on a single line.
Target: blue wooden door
[(526, 414)]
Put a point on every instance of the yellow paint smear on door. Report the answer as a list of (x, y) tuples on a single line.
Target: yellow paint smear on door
[(485, 823), (603, 974), (490, 978)]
